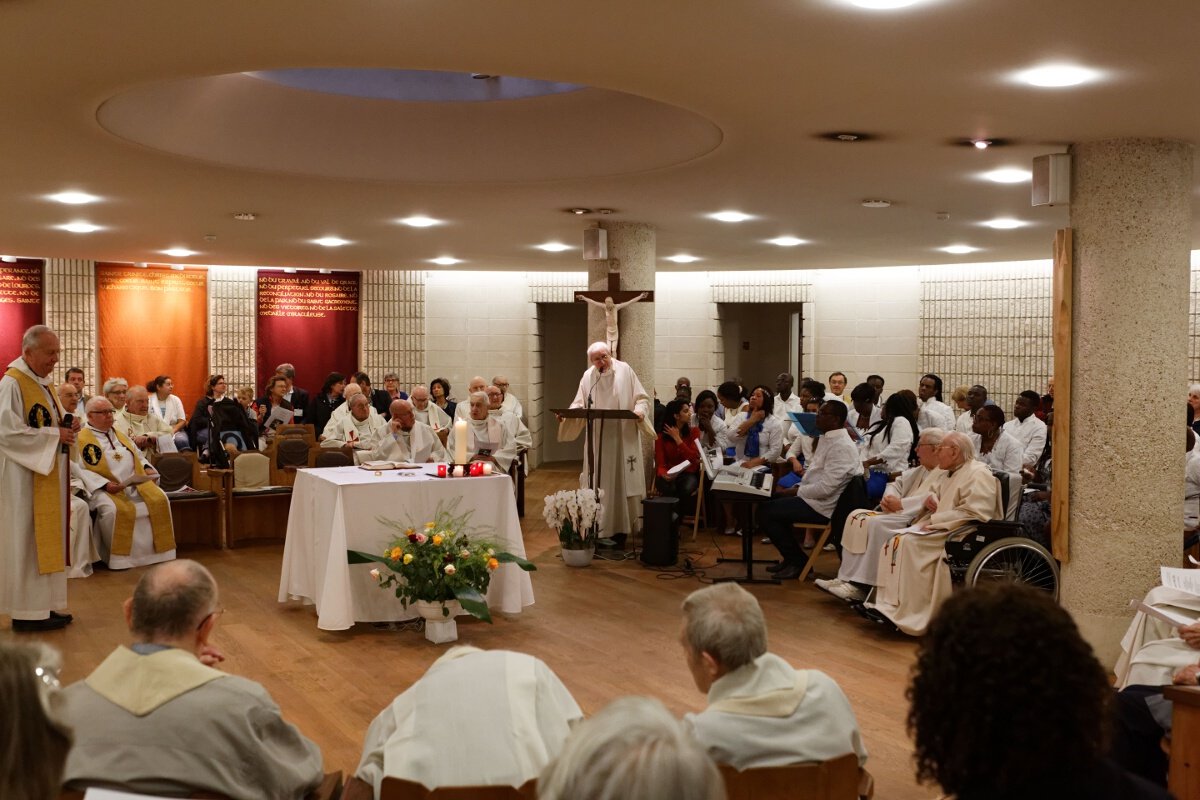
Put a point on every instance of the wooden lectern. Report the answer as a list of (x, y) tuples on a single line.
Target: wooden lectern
[(589, 415)]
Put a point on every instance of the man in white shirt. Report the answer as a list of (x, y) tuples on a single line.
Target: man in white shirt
[(835, 462), (406, 439), (933, 413), (762, 712), (785, 401), (977, 398), (837, 388), (75, 377), (1027, 428)]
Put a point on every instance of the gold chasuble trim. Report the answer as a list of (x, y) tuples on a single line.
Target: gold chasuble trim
[(156, 502), (49, 527)]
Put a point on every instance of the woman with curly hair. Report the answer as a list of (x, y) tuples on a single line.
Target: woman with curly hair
[(1008, 701)]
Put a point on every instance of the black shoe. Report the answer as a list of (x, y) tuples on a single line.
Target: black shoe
[(773, 568), (38, 625), (789, 572), (56, 615)]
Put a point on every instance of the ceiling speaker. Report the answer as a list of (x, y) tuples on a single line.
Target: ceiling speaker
[(595, 244), (1052, 180)]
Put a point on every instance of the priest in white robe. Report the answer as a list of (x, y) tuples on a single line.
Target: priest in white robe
[(133, 525), (1161, 641), (475, 718), (356, 431), (463, 409), (612, 384), (762, 712), (866, 532), (426, 411), (405, 439), (913, 577), (483, 436), (34, 476), (512, 404), (83, 550), (148, 431)]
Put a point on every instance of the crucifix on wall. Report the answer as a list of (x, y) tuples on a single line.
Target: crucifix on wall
[(612, 300)]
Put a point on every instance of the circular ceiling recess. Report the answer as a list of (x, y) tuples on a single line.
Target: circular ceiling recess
[(408, 126)]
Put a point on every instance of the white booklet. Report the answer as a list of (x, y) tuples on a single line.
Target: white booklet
[(1185, 580), (678, 468)]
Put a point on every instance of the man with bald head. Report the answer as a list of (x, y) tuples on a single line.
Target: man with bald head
[(148, 431), (157, 717), (133, 517), (427, 411), (34, 490), (406, 439), (463, 410)]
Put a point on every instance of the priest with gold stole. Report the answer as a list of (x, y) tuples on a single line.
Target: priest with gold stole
[(34, 475), (133, 517)]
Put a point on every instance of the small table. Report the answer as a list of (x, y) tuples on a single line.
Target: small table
[(751, 501), (340, 508)]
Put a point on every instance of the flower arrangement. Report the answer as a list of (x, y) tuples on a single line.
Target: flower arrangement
[(575, 514), (438, 562)]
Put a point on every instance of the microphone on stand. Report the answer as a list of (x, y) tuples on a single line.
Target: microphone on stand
[(67, 421)]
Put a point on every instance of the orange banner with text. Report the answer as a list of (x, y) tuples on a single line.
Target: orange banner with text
[(154, 321)]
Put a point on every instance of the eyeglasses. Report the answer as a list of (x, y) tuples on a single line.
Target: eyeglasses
[(107, 413), (220, 610)]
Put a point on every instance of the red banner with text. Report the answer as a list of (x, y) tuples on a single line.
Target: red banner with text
[(20, 305), (154, 321), (308, 320)]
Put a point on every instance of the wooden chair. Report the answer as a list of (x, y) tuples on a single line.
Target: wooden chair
[(516, 471), (255, 509), (330, 788), (835, 779), (288, 455), (333, 458), (196, 517), (852, 497), (1183, 775), (399, 789), (304, 432)]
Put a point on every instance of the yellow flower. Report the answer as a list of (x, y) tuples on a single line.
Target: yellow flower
[(429, 525), (408, 532), (408, 557), (437, 538), (395, 554), (492, 564)]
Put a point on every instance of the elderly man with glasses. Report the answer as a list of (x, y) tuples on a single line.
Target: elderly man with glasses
[(913, 577), (157, 717)]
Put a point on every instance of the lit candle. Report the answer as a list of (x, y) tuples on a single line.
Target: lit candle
[(487, 468), (460, 441), (441, 470), (458, 471), (476, 468)]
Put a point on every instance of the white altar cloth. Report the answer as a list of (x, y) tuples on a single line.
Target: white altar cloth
[(335, 509)]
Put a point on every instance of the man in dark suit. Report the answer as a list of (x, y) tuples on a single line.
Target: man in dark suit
[(381, 399), (295, 395)]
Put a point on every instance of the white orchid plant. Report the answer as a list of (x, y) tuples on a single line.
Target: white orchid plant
[(575, 514)]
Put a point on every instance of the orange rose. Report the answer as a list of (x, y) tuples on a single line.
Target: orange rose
[(492, 563), (395, 554)]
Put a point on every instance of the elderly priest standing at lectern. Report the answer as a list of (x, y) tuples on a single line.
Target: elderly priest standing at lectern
[(612, 384)]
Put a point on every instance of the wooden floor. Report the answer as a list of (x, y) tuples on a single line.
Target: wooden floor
[(608, 630)]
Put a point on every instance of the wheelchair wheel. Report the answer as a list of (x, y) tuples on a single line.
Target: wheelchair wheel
[(1015, 560)]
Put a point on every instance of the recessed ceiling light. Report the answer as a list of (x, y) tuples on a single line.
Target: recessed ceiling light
[(177, 266), (981, 144), (445, 261), (683, 258), (578, 211), (420, 222), (730, 216), (8, 259), (80, 227), (179, 252), (553, 247), (331, 241), (74, 198), (883, 5), (959, 249), (786, 241), (1005, 223), (1008, 175), (877, 203), (1057, 76)]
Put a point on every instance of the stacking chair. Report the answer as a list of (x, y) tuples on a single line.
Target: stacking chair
[(853, 496)]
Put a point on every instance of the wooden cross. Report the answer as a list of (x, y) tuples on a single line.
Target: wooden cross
[(617, 298), (614, 291)]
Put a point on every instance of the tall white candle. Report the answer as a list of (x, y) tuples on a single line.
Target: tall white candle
[(460, 441)]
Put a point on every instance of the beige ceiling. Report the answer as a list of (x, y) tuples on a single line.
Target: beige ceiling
[(696, 106)]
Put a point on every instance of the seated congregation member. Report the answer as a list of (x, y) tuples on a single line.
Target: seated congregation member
[(890, 441), (391, 385), (133, 522), (512, 404), (994, 446), (785, 400), (975, 399), (75, 376), (677, 442), (379, 399), (711, 427), (426, 410), (274, 397), (157, 717), (833, 464), (320, 408), (755, 433), (876, 383), (297, 397), (732, 403), (1153, 650), (633, 749), (68, 398), (116, 390), (1191, 485), (520, 432), (476, 384), (867, 533), (405, 438), (863, 412), (1194, 405), (439, 392), (761, 711), (169, 408), (1008, 701), (837, 388), (147, 430), (488, 438), (35, 739), (932, 412), (1027, 428), (475, 718), (198, 426), (913, 578), (357, 430)]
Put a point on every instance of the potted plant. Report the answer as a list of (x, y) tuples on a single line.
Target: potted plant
[(440, 570), (575, 514)]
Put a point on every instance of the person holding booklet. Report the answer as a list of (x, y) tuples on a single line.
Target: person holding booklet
[(677, 453)]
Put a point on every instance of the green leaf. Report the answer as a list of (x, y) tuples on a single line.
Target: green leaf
[(509, 558), (359, 557), (473, 603)]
